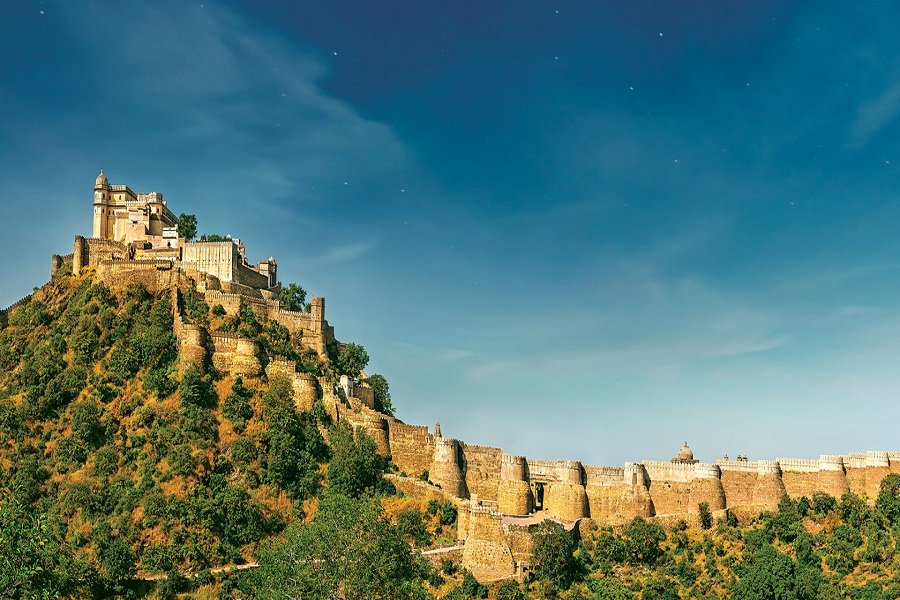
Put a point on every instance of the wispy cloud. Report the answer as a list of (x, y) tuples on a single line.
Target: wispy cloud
[(875, 114), (346, 252)]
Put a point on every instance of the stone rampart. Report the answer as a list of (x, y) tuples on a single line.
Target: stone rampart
[(235, 355), (154, 275), (310, 327), (445, 470), (4, 313), (673, 472), (519, 540), (604, 476), (220, 259), (412, 447), (798, 465), (306, 387), (481, 466), (486, 554), (193, 340), (57, 261), (618, 504), (514, 496), (377, 428), (90, 251)]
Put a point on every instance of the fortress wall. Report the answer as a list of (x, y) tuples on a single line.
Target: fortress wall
[(604, 475), (674, 472), (412, 447), (856, 480), (874, 475), (741, 466), (5, 312), (798, 484), (230, 302), (798, 465), (519, 540), (670, 497), (90, 251), (365, 394), (57, 261), (216, 258), (247, 276), (306, 387), (616, 505), (738, 486), (192, 339), (311, 327), (543, 470), (376, 428), (154, 275), (768, 490), (708, 490), (481, 465), (567, 501), (487, 554), (235, 355), (445, 470)]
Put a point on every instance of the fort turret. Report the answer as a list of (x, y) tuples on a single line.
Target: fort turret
[(832, 477), (565, 497), (706, 487), (769, 487), (445, 470), (514, 496)]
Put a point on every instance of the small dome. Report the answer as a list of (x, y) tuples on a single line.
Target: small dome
[(685, 453), (101, 180)]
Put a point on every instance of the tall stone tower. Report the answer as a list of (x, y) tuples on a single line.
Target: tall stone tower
[(102, 212)]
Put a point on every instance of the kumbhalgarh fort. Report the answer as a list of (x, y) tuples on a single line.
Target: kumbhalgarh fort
[(500, 497)]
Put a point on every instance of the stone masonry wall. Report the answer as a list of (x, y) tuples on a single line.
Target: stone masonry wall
[(481, 466), (738, 486), (615, 505), (412, 447)]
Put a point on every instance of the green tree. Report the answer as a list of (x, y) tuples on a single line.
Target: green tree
[(382, 394), (28, 553), (553, 556), (510, 590), (292, 448), (411, 526), (352, 359), (293, 297), (609, 588), (349, 551), (187, 226), (355, 466), (236, 407), (706, 518), (642, 542), (888, 502)]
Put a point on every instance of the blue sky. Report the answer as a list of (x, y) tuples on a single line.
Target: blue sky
[(582, 230)]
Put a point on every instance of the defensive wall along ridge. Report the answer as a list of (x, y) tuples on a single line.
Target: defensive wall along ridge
[(500, 497), (505, 495)]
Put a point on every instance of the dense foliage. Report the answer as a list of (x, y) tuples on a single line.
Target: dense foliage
[(118, 466), (115, 465)]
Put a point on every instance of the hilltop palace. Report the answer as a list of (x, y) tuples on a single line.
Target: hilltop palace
[(500, 497)]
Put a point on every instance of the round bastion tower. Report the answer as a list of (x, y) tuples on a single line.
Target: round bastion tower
[(706, 487), (831, 478), (566, 497), (514, 495), (769, 487), (445, 469)]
